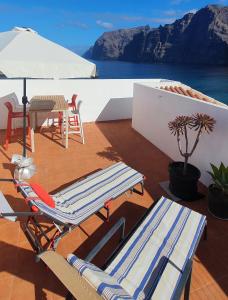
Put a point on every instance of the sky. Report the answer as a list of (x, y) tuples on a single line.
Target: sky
[(76, 24)]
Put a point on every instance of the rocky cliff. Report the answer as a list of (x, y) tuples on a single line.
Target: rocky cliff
[(196, 38)]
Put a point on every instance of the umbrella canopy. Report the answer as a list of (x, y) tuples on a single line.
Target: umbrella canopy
[(26, 54)]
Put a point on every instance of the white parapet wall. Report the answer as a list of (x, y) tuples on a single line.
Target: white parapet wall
[(102, 99), (154, 108)]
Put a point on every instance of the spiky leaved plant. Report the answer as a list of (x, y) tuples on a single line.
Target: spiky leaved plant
[(220, 177), (180, 126)]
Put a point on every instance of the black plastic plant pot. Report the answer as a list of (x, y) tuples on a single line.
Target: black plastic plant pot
[(182, 186), (217, 202)]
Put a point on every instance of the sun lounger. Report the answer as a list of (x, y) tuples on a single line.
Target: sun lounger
[(155, 262), (73, 204)]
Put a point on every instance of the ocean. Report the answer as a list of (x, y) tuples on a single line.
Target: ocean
[(210, 80)]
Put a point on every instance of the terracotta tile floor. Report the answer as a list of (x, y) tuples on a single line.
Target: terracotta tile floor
[(22, 278)]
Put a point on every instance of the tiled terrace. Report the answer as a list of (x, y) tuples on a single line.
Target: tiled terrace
[(22, 278)]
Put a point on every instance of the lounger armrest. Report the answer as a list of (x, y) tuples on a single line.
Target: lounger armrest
[(74, 283), (118, 225), (5, 209), (185, 277)]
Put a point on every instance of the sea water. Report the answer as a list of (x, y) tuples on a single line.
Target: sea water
[(210, 80)]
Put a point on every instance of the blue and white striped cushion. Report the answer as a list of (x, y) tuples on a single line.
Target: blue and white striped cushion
[(150, 265), (82, 199), (105, 285), (156, 254)]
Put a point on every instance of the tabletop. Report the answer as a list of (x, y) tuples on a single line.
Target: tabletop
[(48, 103)]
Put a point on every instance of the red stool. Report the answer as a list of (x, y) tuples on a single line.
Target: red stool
[(13, 115), (73, 120)]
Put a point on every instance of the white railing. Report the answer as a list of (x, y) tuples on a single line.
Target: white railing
[(154, 108), (102, 99)]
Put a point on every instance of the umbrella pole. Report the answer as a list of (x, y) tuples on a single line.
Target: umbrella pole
[(24, 101)]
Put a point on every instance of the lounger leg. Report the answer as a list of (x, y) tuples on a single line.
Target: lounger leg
[(142, 187), (107, 207), (108, 213), (32, 238), (187, 286), (40, 229)]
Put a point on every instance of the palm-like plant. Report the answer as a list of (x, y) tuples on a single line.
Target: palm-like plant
[(180, 126), (220, 177)]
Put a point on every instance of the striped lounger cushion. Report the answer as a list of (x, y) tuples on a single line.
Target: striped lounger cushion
[(157, 252), (102, 282), (83, 198)]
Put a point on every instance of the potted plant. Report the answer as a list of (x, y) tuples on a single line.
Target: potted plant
[(184, 176), (218, 192)]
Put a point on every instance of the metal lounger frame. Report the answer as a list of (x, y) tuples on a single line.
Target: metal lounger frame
[(185, 281), (62, 229)]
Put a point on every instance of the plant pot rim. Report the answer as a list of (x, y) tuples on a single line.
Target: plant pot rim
[(219, 218), (213, 187), (193, 171), (181, 163)]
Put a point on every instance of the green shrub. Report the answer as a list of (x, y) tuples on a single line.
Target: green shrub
[(220, 177)]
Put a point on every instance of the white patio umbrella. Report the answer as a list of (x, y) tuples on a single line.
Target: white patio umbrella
[(26, 54)]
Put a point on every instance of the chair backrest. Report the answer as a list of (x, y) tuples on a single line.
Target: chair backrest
[(73, 104), (9, 106)]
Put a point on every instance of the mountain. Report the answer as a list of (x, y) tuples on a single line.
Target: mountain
[(196, 38), (88, 53)]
